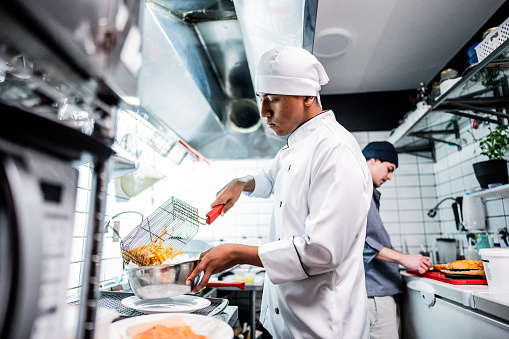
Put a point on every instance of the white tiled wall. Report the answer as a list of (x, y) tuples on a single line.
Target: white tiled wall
[(416, 186)]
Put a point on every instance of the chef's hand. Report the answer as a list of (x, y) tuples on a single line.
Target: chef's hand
[(230, 193), (416, 262), (220, 258)]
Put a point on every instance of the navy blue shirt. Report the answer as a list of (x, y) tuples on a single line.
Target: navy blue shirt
[(382, 278)]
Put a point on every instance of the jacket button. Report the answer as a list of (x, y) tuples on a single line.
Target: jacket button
[(280, 203), (289, 167), (277, 310)]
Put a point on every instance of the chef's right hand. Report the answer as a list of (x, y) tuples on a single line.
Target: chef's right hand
[(230, 193)]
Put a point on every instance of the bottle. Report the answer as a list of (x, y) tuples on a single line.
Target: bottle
[(482, 241), (435, 91), (471, 251), (422, 95), (496, 239)]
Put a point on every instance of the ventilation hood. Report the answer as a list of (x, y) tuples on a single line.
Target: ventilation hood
[(199, 59)]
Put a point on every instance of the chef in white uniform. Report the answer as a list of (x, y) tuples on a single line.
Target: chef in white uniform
[(321, 186)]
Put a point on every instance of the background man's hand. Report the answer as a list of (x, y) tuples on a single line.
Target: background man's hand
[(416, 262)]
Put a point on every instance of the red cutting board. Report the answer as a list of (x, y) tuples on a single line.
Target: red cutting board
[(441, 277)]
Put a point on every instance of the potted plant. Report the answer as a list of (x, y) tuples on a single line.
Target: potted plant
[(494, 145)]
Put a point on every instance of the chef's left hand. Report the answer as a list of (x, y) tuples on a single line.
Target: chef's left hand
[(214, 260), (220, 258)]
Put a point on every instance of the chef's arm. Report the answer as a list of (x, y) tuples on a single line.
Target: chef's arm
[(416, 262), (230, 193), (223, 257)]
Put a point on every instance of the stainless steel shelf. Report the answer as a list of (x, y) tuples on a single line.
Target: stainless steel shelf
[(472, 97)]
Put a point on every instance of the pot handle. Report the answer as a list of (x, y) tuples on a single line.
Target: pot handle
[(238, 284)]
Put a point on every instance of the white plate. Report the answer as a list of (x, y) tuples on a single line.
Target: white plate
[(178, 304), (200, 324)]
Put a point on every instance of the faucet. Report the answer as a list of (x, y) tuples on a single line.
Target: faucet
[(505, 235), (456, 208)]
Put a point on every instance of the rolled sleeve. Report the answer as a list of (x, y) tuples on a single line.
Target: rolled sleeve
[(263, 186), (274, 254), (369, 253), (373, 243)]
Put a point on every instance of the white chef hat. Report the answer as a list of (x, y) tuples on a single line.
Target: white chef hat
[(289, 70)]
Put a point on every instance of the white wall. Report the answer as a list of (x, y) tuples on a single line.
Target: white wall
[(417, 185)]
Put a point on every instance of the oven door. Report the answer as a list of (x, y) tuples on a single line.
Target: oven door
[(37, 198)]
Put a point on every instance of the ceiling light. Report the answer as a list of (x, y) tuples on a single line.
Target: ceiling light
[(331, 43)]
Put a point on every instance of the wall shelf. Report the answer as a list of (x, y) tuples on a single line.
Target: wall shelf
[(501, 191)]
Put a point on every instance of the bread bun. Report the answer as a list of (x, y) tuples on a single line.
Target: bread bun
[(439, 267), (464, 265)]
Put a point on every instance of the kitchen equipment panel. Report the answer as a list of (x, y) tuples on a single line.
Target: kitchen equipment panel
[(452, 311), (37, 207)]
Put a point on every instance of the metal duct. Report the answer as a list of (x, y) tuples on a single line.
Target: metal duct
[(196, 78)]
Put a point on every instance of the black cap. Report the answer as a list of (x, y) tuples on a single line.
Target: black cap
[(381, 150)]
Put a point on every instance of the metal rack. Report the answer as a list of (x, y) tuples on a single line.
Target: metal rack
[(466, 99)]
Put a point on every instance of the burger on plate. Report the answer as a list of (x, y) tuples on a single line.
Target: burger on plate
[(469, 267)]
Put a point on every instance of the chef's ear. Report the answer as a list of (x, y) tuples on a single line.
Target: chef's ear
[(308, 100)]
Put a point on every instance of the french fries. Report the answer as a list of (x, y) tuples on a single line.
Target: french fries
[(152, 254)]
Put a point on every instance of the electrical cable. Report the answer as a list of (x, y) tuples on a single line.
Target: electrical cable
[(107, 225)]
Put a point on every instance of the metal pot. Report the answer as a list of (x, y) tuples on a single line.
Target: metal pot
[(169, 280)]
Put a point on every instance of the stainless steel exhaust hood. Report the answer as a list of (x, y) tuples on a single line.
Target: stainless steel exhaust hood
[(196, 77)]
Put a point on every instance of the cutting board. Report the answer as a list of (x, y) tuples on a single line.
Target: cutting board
[(455, 281)]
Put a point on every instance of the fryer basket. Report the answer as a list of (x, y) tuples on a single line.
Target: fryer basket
[(172, 225)]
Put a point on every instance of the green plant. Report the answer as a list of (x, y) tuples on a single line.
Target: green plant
[(495, 143)]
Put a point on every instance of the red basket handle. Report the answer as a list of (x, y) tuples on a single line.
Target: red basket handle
[(214, 213)]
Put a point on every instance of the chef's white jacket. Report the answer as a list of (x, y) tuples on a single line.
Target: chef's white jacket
[(314, 284)]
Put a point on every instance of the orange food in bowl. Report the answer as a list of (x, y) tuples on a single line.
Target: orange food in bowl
[(169, 328), (162, 332)]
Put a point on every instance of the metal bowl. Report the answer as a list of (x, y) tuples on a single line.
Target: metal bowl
[(161, 281)]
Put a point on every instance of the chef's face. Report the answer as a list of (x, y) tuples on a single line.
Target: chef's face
[(381, 171), (283, 113)]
